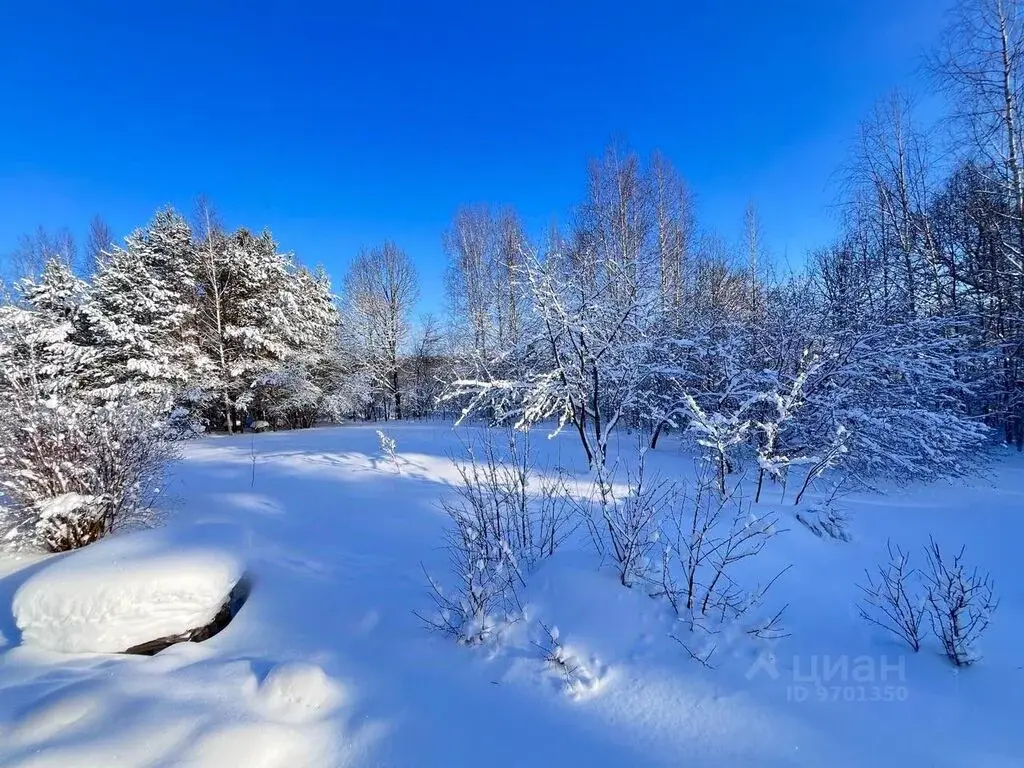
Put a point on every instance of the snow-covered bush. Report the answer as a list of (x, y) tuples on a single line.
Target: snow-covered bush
[(585, 358), (718, 434), (388, 447), (893, 398), (960, 604), (505, 519), (893, 600), (73, 467), (623, 520), (72, 472), (287, 395), (705, 536)]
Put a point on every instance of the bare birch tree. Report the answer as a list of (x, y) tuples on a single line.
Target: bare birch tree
[(35, 249), (215, 284), (470, 243), (510, 284), (100, 240), (381, 288), (675, 226), (981, 64)]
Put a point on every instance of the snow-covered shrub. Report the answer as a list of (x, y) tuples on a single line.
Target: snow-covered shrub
[(576, 675), (388, 447), (505, 519), (583, 359), (717, 434), (72, 472), (623, 521), (347, 391), (76, 464), (888, 400), (960, 604), (287, 395), (526, 511), (185, 420), (893, 601), (705, 536)]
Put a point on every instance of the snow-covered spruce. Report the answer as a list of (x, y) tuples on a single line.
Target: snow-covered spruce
[(222, 325)]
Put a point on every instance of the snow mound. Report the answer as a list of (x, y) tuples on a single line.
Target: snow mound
[(122, 592), (299, 692)]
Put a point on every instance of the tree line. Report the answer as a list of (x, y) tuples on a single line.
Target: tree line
[(899, 344), (219, 329), (899, 348)]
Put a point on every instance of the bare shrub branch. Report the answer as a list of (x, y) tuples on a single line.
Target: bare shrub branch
[(505, 519), (706, 535), (771, 628), (624, 524), (960, 604), (891, 601), (557, 656), (705, 655)]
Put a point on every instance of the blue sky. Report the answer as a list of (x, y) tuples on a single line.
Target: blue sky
[(338, 125)]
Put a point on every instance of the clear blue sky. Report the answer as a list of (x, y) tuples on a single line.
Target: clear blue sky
[(341, 124)]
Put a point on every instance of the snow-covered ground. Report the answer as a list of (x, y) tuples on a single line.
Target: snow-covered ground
[(326, 664)]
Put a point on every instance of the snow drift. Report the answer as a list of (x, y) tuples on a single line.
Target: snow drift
[(122, 592)]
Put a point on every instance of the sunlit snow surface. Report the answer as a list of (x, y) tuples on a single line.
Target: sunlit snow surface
[(326, 664)]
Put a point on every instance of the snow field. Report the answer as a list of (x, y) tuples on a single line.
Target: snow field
[(326, 664)]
